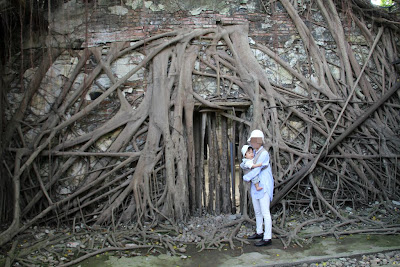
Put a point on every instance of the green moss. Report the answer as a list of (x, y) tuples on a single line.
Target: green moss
[(365, 243)]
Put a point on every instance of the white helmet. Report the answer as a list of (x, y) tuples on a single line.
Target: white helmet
[(256, 133), (244, 149)]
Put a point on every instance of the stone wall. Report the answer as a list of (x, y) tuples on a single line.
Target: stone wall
[(101, 23)]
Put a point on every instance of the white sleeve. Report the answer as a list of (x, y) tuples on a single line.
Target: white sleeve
[(248, 164)]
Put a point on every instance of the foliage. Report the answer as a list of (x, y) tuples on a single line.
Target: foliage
[(386, 3)]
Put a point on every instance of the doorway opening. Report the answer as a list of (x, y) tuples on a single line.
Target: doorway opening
[(218, 138)]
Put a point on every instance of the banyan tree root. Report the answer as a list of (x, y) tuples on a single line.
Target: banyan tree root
[(334, 145), (65, 247)]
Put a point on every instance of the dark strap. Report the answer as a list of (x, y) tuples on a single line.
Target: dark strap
[(257, 156), (246, 171)]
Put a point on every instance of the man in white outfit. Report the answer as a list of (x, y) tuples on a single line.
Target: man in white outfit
[(261, 202)]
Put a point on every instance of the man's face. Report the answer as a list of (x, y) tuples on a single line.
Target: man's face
[(256, 142)]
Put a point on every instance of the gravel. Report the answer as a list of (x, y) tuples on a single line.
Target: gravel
[(205, 226), (208, 225), (65, 246), (389, 258)]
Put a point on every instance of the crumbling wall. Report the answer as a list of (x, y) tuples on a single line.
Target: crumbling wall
[(100, 23), (132, 147), (103, 22)]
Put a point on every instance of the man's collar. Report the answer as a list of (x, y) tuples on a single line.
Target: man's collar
[(258, 149)]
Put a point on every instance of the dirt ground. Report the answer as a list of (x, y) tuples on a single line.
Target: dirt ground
[(320, 250)]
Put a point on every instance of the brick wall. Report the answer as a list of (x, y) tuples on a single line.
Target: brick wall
[(103, 26)]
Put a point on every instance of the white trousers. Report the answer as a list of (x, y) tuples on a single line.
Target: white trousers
[(261, 210)]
